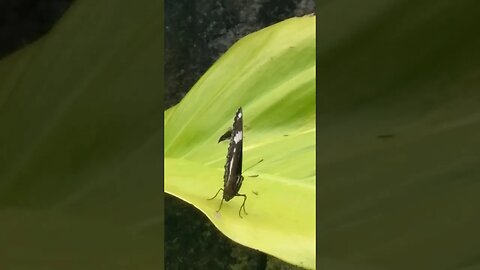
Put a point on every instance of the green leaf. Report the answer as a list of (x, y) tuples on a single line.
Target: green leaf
[(271, 75), (400, 139), (80, 142)]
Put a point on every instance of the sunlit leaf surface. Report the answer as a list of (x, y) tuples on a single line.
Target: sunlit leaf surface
[(271, 75)]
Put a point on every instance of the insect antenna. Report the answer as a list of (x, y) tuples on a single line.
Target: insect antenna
[(255, 175)]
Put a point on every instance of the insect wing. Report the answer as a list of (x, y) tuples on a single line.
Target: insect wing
[(227, 135), (233, 167)]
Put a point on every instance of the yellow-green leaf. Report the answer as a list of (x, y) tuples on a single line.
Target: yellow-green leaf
[(271, 75)]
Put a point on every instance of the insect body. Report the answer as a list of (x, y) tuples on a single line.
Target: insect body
[(232, 178)]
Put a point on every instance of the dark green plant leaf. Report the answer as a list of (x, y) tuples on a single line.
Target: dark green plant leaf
[(80, 142), (271, 75), (399, 146)]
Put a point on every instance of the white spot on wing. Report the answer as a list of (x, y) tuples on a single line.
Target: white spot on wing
[(240, 115), (239, 180), (231, 165), (238, 137)]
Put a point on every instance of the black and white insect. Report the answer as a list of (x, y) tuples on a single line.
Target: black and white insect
[(232, 178)]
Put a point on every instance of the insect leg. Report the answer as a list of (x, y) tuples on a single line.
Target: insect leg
[(243, 205), (220, 205), (216, 194)]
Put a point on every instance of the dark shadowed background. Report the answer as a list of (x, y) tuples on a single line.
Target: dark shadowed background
[(23, 21)]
